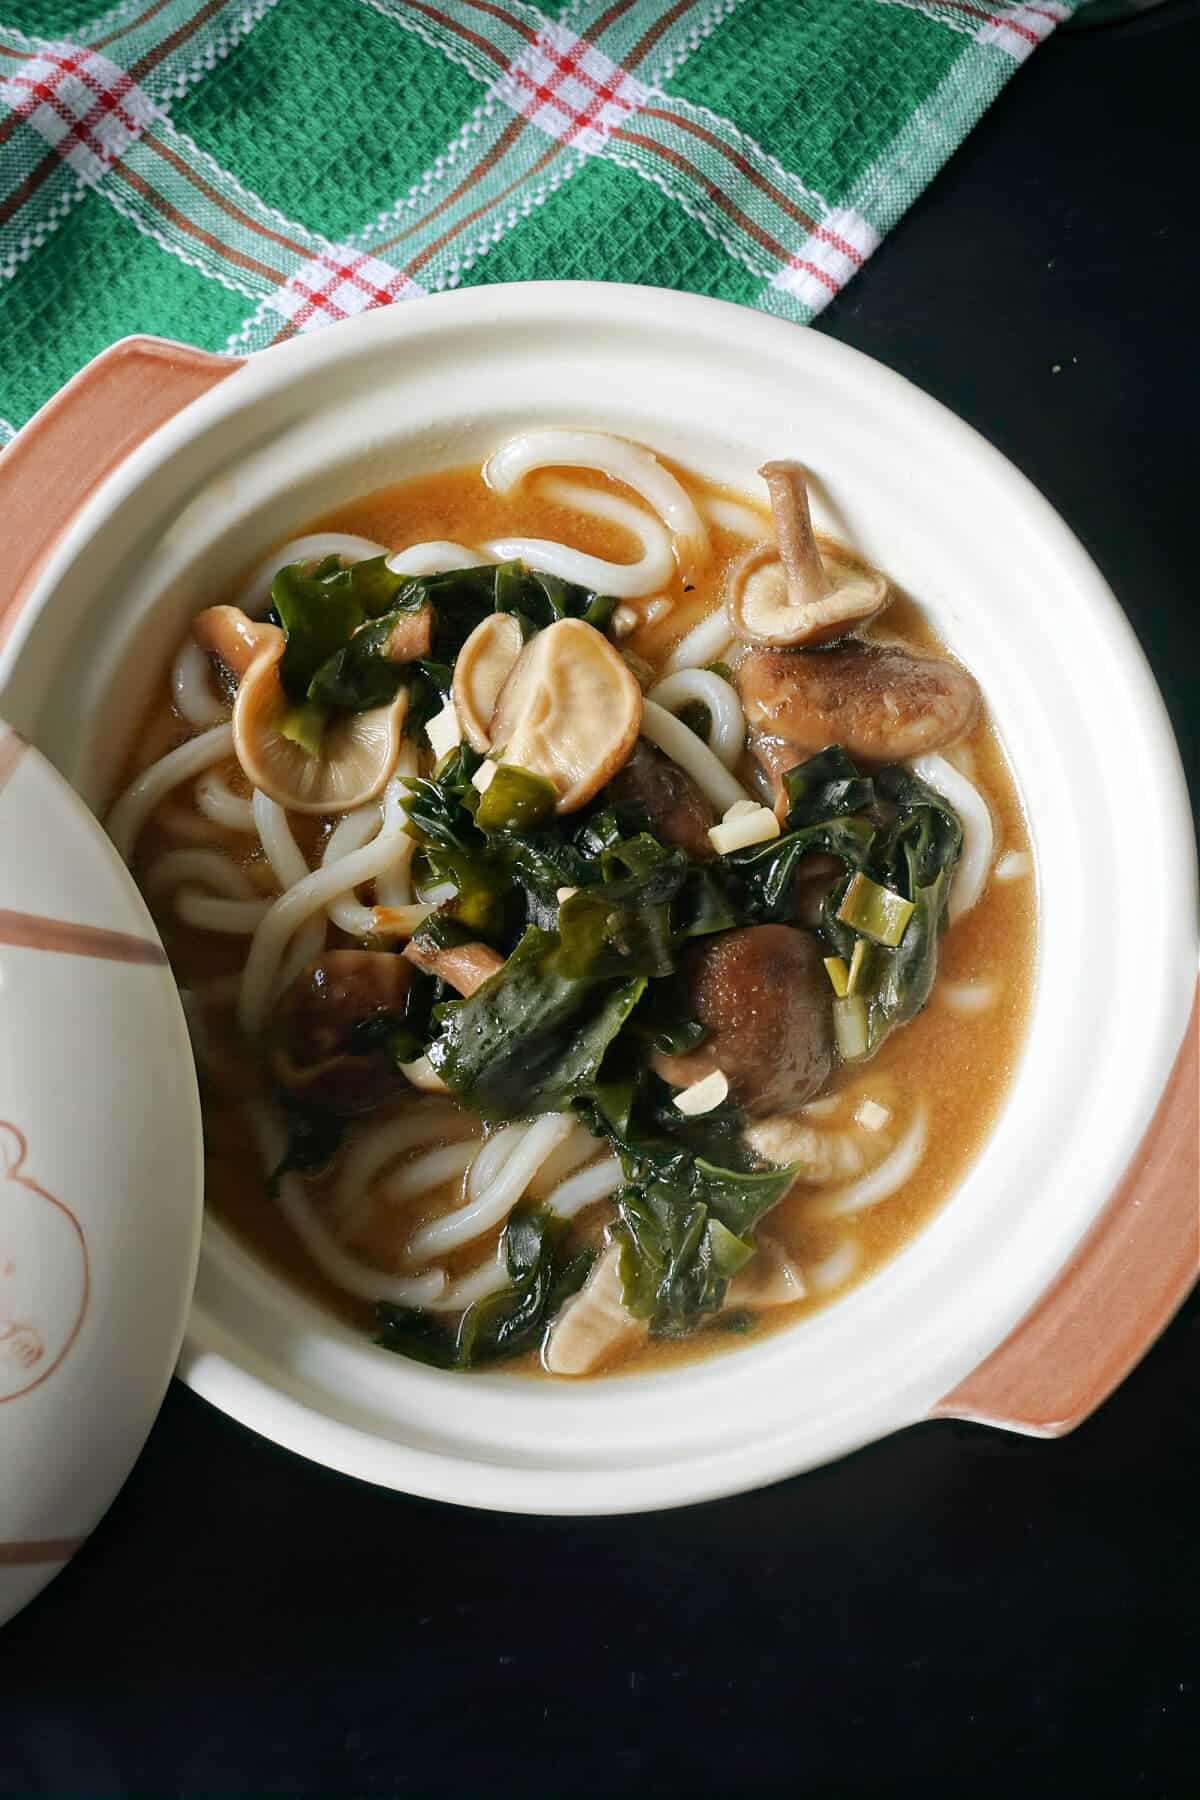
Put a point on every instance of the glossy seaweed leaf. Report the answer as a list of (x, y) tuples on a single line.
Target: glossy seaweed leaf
[(441, 807), (533, 1037), (826, 786), (915, 854), (684, 1219), (761, 877), (543, 1274), (320, 611), (622, 925)]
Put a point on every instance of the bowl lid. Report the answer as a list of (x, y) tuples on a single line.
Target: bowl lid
[(100, 1172)]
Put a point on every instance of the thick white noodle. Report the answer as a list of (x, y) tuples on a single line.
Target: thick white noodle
[(966, 996), (500, 1196), (301, 903), (374, 823), (289, 868), (487, 1279), (393, 887), (705, 643), (179, 821), (237, 908), (426, 1122), (970, 877), (596, 1182), (209, 868), (1013, 865), (574, 1150), (434, 558), (494, 1153), (834, 1270), (428, 1171), (145, 791), (314, 547), (726, 720), (192, 686), (693, 756), (344, 1270), (237, 917), (351, 832), (615, 457), (881, 1181), (628, 581), (735, 516), (218, 802)]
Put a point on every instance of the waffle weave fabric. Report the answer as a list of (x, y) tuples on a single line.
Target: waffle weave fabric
[(231, 172)]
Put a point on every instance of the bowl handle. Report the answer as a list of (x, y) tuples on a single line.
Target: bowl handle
[(1119, 1290), (61, 456)]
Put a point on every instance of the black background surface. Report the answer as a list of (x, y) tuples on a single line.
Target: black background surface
[(953, 1611)]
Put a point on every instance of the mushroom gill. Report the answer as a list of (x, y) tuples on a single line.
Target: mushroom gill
[(356, 755), (484, 664), (570, 711), (798, 591)]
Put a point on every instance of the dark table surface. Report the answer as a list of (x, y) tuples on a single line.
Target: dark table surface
[(954, 1611)]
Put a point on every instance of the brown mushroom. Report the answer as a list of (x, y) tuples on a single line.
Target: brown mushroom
[(879, 702), (764, 999), (799, 590), (570, 711), (234, 638), (357, 753), (311, 1050), (481, 669), (658, 790), (411, 636), (465, 966)]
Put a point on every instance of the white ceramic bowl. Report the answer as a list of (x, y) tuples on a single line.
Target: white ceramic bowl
[(1067, 1247)]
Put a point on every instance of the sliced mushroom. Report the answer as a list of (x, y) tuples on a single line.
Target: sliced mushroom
[(484, 664), (772, 1277), (234, 638), (593, 1327), (879, 702), (764, 999), (357, 754), (569, 711), (799, 590), (465, 966), (411, 636), (311, 1051)]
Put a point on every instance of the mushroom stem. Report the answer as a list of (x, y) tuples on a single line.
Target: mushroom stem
[(787, 484)]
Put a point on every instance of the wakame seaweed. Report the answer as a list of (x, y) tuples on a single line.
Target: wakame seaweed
[(337, 623), (542, 1274), (590, 987)]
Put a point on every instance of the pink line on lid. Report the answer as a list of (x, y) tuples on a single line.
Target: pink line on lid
[(39, 1550), (33, 932)]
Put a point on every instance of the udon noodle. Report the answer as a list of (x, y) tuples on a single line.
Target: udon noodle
[(557, 857)]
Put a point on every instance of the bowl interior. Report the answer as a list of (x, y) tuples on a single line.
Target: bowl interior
[(311, 424)]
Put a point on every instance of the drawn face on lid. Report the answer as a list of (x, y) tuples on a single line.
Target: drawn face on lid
[(43, 1274)]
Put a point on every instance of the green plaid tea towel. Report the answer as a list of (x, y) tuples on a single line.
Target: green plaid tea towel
[(231, 172)]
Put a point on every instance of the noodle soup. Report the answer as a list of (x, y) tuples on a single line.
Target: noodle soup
[(603, 910)]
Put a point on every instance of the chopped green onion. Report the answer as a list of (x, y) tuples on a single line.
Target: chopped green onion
[(719, 668), (850, 1027), (875, 911), (515, 800), (838, 974), (857, 958), (729, 1252), (305, 725)]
